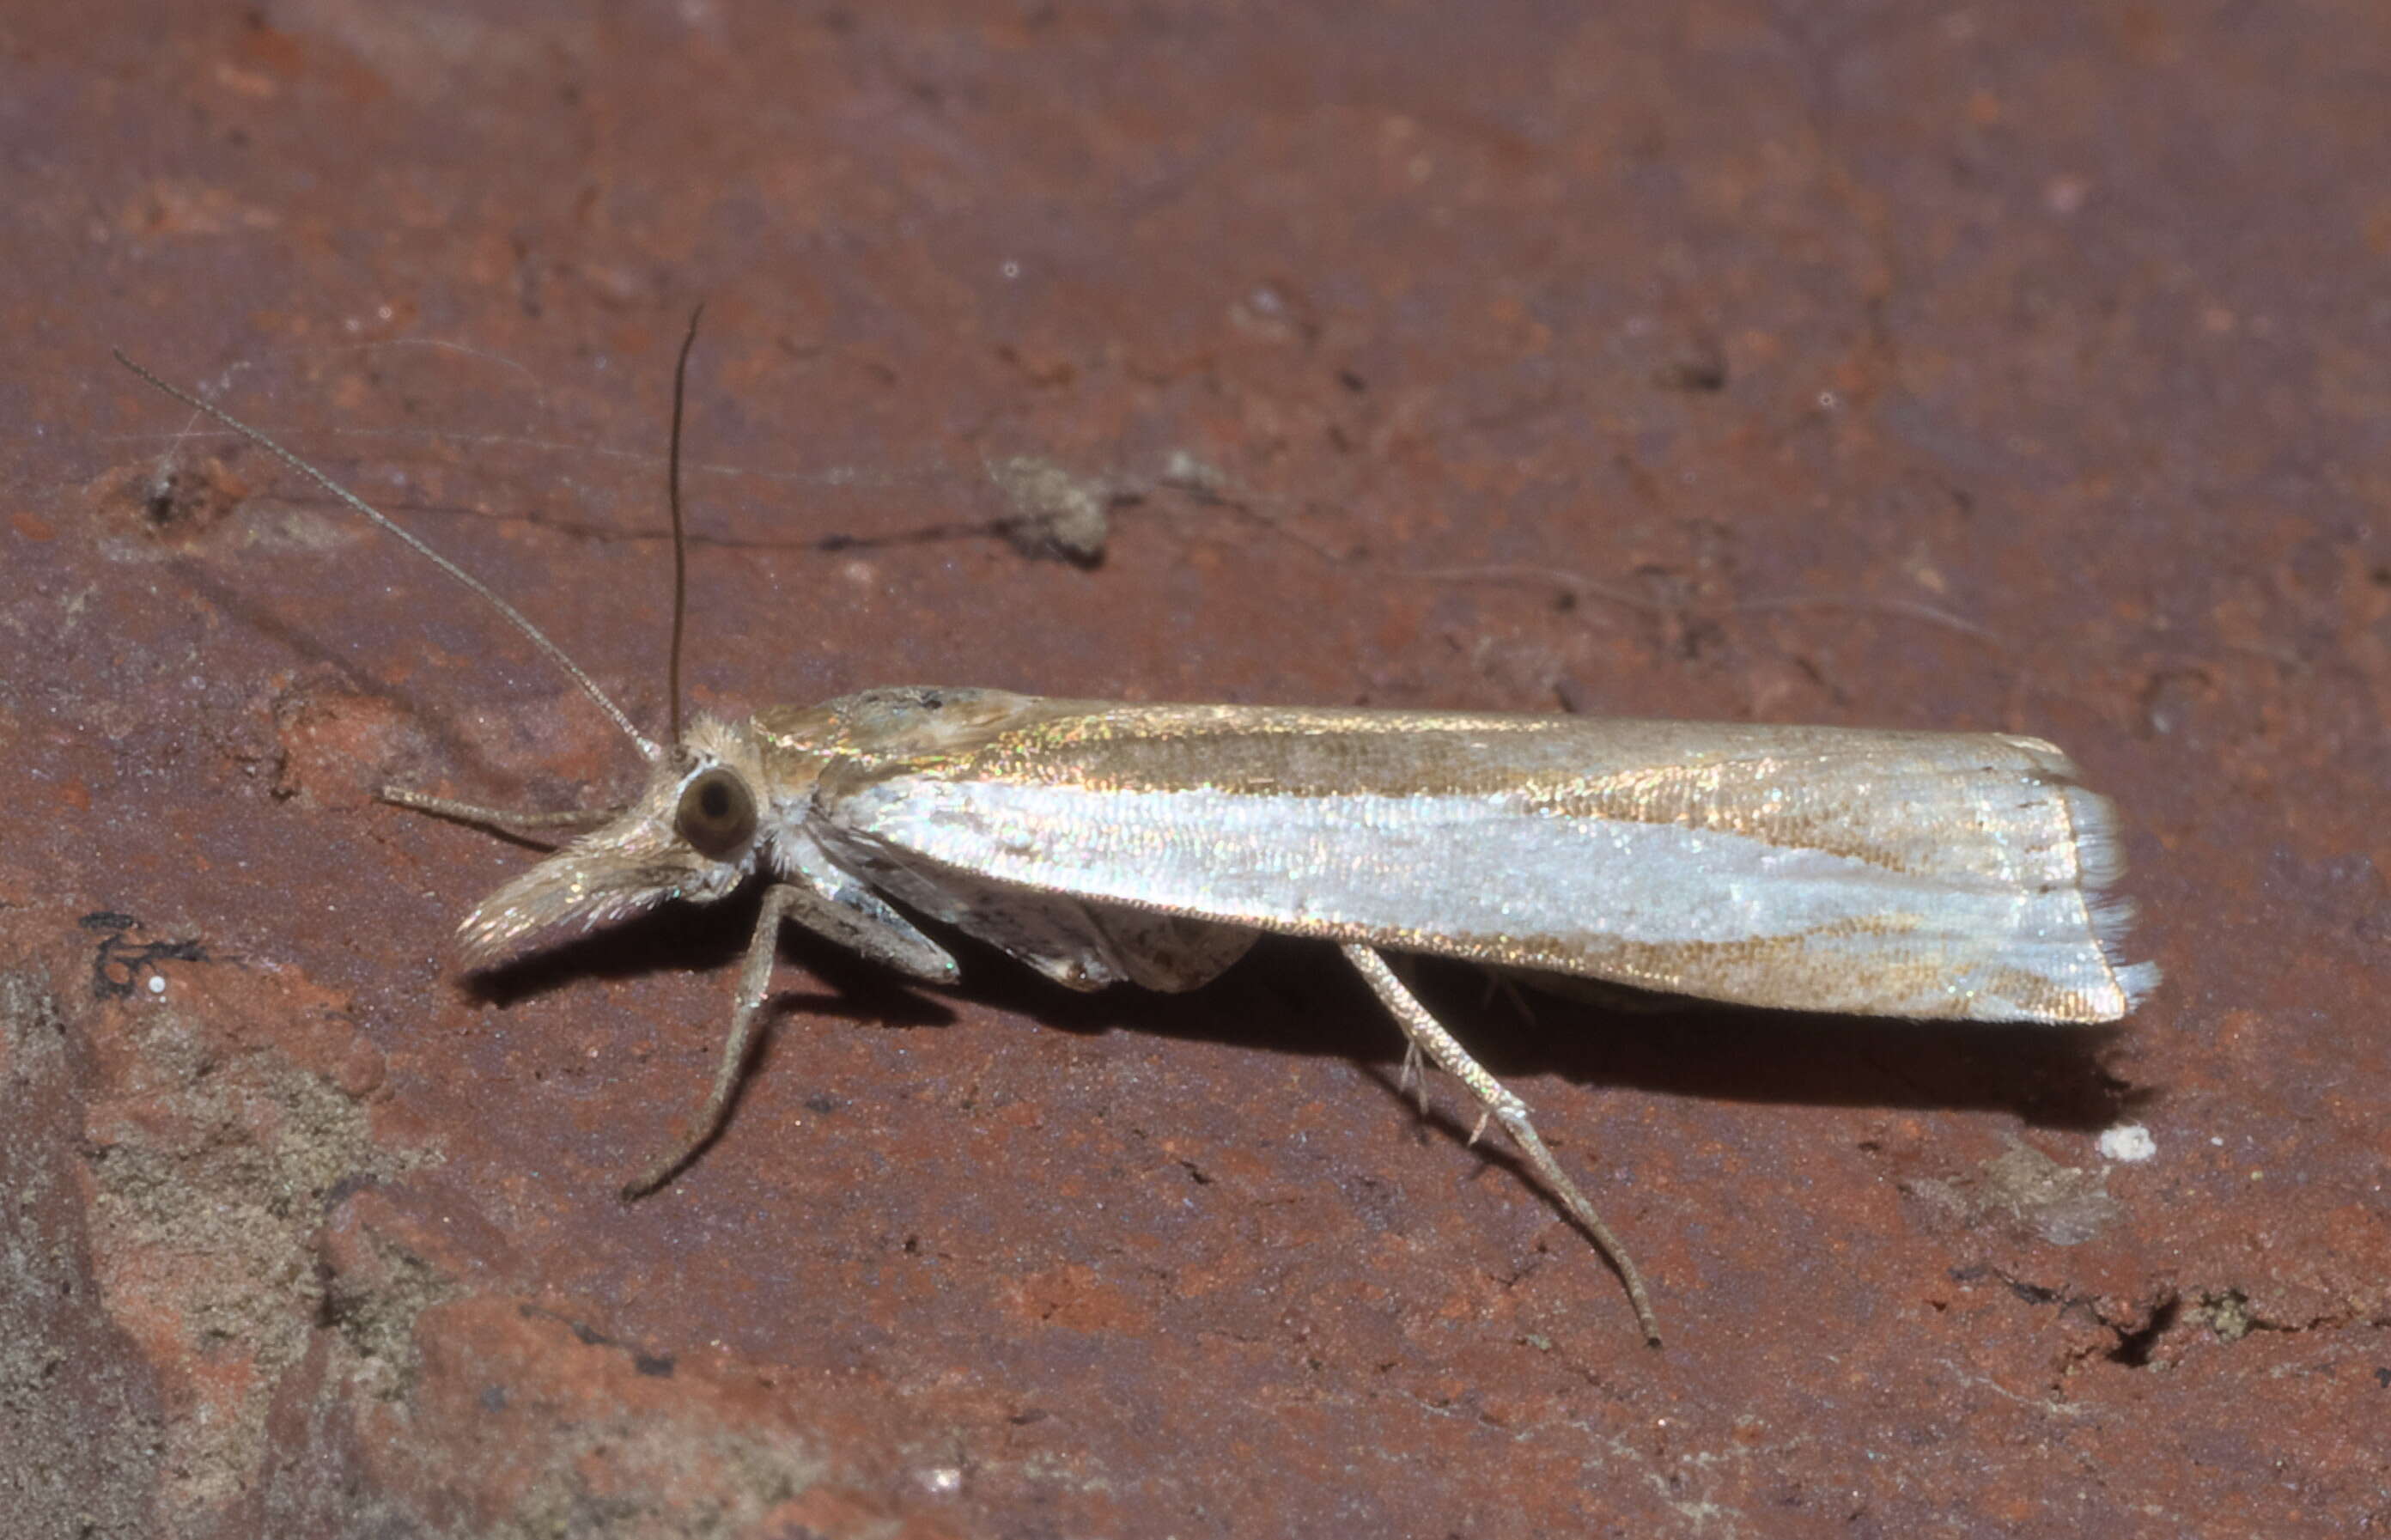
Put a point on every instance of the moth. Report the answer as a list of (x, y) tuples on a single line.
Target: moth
[(1938, 876)]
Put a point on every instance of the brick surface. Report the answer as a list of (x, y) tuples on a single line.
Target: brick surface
[(2012, 367)]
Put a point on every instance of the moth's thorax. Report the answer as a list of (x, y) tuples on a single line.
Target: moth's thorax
[(874, 729), (910, 721), (791, 745)]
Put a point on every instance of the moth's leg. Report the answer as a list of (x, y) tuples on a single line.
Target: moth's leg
[(1414, 1078), (857, 919), (839, 906), (496, 818), (755, 978), (853, 919), (1429, 1037)]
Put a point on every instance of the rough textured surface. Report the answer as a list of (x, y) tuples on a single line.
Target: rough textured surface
[(2019, 367)]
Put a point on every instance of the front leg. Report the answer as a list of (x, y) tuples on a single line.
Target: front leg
[(1427, 1035), (875, 930)]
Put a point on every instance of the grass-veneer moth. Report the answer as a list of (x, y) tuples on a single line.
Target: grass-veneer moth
[(1940, 876)]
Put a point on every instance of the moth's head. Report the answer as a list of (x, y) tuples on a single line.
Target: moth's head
[(694, 833)]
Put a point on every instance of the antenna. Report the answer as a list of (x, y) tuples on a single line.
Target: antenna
[(647, 746), (680, 546)]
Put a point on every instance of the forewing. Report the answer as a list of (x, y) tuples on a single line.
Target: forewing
[(1895, 873)]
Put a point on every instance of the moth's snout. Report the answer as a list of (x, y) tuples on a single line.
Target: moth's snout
[(614, 876)]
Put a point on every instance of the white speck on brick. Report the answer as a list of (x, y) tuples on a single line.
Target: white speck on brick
[(2128, 1143)]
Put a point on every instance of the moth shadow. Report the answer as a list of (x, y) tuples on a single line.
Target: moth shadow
[(1301, 998), (433, 719)]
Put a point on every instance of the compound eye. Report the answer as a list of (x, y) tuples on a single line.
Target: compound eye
[(716, 814)]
